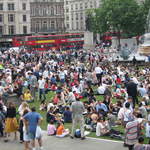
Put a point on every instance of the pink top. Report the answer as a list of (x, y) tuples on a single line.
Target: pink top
[(51, 129)]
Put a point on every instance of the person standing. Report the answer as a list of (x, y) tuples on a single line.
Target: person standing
[(31, 121), (99, 72), (33, 85), (132, 91), (132, 130), (11, 125), (77, 109), (41, 83)]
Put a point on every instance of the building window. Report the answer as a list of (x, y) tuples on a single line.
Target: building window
[(67, 18), (95, 4), (11, 29), (91, 4), (52, 24), (77, 25), (1, 29), (66, 2), (44, 26), (24, 18), (71, 7), (81, 6), (86, 5), (24, 29), (24, 6), (77, 17), (52, 11), (44, 11), (1, 6), (67, 10), (81, 16), (11, 17), (76, 6), (37, 28), (11, 6), (68, 26), (1, 17)]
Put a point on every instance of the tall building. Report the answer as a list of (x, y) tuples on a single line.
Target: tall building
[(14, 17), (76, 13), (47, 16)]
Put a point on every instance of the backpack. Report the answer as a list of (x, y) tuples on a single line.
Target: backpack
[(77, 133)]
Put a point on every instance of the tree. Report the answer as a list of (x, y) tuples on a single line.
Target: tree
[(145, 8), (120, 16)]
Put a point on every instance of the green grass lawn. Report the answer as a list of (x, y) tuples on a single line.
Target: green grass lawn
[(49, 97)]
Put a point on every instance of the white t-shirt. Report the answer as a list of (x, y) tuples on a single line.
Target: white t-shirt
[(98, 129), (46, 74), (120, 113), (147, 130), (101, 89), (41, 84), (98, 70), (127, 114), (62, 75)]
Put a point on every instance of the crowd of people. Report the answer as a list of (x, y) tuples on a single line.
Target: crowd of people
[(86, 89)]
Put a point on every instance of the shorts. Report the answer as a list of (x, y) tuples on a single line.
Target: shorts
[(26, 137), (32, 135)]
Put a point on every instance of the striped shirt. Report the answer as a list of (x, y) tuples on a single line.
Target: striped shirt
[(131, 132)]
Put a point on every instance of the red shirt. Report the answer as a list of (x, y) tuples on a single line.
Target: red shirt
[(118, 81)]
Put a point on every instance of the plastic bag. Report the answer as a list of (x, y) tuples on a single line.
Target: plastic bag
[(38, 132)]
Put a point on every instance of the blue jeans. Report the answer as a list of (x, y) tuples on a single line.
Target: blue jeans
[(42, 94)]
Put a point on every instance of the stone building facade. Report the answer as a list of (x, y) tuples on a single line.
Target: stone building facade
[(47, 16), (76, 12), (14, 17)]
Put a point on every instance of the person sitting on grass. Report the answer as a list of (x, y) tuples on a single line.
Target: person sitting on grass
[(27, 96), (50, 116), (140, 145), (103, 129), (51, 129), (43, 106), (67, 115), (61, 131)]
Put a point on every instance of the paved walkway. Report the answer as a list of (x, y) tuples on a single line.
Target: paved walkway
[(53, 143)]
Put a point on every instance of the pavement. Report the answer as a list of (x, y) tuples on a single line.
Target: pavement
[(54, 143)]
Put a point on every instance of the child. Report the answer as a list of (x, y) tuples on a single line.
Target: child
[(61, 131), (43, 106), (51, 129)]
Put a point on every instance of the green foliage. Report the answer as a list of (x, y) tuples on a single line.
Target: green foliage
[(120, 16)]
